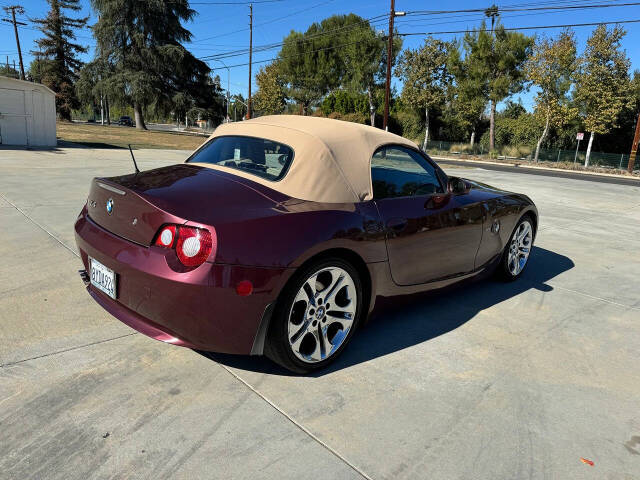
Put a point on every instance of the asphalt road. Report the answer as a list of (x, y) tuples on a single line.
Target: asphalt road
[(493, 381), (635, 182)]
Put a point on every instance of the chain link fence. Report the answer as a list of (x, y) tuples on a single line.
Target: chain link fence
[(613, 161)]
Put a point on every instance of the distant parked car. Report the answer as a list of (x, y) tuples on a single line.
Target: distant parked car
[(126, 121)]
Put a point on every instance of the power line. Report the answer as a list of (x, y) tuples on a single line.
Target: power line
[(309, 38), (511, 9), (508, 8), (526, 28), (443, 33), (277, 19), (296, 55)]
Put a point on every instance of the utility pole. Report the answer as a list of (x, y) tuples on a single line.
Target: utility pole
[(387, 86), (20, 10), (387, 83), (250, 53), (634, 147), (492, 12)]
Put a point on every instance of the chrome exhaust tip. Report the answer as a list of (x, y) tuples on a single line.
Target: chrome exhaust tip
[(85, 277)]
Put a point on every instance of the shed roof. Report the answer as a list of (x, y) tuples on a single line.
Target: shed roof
[(24, 85), (332, 158)]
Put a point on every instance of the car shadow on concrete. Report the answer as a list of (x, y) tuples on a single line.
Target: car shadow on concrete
[(413, 319)]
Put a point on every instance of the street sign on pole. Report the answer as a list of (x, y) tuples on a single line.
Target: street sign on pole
[(579, 136)]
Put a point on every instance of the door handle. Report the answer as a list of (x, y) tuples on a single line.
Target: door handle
[(397, 224)]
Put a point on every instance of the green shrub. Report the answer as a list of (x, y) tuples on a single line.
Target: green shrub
[(410, 126)]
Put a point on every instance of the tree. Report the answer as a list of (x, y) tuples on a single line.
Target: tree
[(603, 88), (635, 91), (91, 84), (142, 40), (60, 51), (7, 71), (270, 99), (469, 95), (308, 66), (340, 51), (500, 55), (364, 53), (238, 105), (551, 68), (426, 76), (38, 67)]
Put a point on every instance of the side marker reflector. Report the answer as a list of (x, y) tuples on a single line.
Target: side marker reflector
[(244, 288)]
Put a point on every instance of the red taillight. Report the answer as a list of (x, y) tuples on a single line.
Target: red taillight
[(193, 245)]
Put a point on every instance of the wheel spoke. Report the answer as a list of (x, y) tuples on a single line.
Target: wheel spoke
[(333, 289), (316, 355), (343, 313), (338, 338), (309, 289), (297, 337), (325, 345)]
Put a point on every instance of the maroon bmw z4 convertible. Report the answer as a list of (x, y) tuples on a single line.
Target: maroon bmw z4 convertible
[(279, 235)]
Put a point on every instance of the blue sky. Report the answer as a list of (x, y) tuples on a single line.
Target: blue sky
[(220, 28)]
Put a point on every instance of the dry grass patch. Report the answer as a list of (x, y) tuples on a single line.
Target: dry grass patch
[(99, 136)]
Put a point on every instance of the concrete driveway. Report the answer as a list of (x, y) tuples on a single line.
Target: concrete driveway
[(494, 381)]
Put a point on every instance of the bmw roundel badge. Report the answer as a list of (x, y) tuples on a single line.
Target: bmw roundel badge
[(110, 206)]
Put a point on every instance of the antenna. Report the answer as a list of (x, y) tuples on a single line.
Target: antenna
[(134, 159)]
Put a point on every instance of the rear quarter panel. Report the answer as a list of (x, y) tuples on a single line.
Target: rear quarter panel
[(291, 232)]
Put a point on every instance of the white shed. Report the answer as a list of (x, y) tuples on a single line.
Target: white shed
[(27, 113)]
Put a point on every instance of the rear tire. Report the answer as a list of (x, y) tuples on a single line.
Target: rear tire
[(316, 316), (515, 256)]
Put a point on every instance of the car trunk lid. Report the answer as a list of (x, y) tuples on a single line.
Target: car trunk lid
[(135, 206)]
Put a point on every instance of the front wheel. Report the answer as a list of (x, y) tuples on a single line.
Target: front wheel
[(516, 253), (316, 316)]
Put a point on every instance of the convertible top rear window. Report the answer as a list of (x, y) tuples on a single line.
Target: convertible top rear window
[(257, 156)]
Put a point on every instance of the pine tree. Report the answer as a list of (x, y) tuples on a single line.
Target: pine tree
[(60, 51), (469, 95), (500, 54), (142, 40), (603, 87)]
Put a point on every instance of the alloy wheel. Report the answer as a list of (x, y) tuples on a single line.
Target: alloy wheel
[(322, 314), (519, 248)]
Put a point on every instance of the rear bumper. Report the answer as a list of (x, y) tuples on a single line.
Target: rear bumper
[(196, 309)]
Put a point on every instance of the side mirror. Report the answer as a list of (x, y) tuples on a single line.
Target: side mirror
[(458, 186)]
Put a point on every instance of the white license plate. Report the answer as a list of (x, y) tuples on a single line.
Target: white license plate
[(102, 278)]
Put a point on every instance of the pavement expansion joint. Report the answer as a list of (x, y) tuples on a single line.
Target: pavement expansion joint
[(39, 226), (297, 424), (57, 352)]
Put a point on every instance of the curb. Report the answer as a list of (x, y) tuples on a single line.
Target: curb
[(536, 167)]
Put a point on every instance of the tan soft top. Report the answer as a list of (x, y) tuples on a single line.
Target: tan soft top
[(332, 158)]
